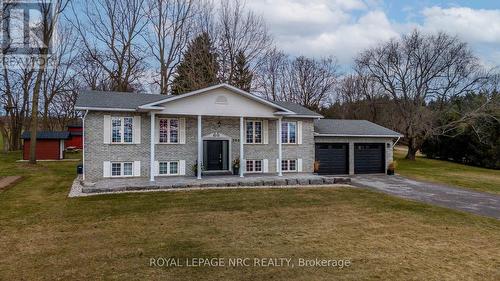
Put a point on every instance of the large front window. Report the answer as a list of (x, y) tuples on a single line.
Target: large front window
[(122, 129), (289, 132), (169, 130), (254, 131)]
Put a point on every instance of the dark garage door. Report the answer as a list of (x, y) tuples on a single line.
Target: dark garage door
[(369, 158), (333, 158)]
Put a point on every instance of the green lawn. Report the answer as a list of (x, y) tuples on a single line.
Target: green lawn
[(46, 236), (450, 173)]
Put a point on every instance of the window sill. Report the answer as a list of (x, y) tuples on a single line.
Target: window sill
[(121, 177), (169, 143), (122, 143)]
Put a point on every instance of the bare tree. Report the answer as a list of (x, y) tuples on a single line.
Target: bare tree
[(58, 79), (110, 36), (239, 30), (354, 89), (50, 12), (310, 81), (269, 80), (171, 23), (419, 68)]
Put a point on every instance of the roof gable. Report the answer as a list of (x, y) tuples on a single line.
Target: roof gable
[(211, 90), (219, 101)]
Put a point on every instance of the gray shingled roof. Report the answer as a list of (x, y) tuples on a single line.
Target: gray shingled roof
[(118, 100), (121, 100), (351, 128), (46, 135), (299, 109)]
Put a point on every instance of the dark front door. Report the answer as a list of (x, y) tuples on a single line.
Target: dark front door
[(332, 158), (216, 156)]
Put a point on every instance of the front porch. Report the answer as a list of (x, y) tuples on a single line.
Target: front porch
[(163, 183)]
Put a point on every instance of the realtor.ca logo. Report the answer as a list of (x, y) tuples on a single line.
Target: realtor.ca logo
[(25, 38)]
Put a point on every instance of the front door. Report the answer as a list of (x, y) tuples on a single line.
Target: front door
[(216, 155)]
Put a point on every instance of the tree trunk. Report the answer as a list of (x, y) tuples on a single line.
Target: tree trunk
[(412, 150), (34, 114)]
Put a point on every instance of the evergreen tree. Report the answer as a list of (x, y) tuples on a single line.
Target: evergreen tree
[(242, 74), (198, 68)]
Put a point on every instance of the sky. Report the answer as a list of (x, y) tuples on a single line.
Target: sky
[(343, 28)]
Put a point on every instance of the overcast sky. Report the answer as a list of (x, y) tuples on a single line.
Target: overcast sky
[(344, 27)]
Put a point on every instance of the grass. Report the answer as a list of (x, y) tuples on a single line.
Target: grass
[(46, 236), (454, 174)]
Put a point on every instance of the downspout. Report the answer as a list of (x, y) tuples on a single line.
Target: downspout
[(83, 143), (394, 145)]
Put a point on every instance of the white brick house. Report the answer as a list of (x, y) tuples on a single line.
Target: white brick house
[(204, 132)]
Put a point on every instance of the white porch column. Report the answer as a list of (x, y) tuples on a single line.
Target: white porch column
[(242, 135), (200, 149), (152, 149), (280, 152)]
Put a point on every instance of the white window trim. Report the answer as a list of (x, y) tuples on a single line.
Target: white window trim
[(168, 168), (287, 123), (168, 131), (122, 164), (122, 130), (288, 165), (253, 166), (253, 131)]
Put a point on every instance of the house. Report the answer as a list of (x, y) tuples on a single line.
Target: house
[(75, 137), (49, 145), (205, 132)]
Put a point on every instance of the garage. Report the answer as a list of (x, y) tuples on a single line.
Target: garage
[(353, 146), (369, 158), (333, 158), (49, 145)]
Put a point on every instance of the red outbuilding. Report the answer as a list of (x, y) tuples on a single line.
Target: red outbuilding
[(75, 140), (49, 145)]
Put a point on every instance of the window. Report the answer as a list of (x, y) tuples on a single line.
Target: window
[(117, 125), (116, 169), (122, 129), (288, 132), (169, 130), (168, 168), (254, 166), (122, 169), (254, 131), (127, 169), (289, 165), (127, 129)]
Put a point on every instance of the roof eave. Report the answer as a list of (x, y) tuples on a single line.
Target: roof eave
[(357, 135), (90, 108)]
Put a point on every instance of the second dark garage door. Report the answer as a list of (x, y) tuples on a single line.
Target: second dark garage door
[(332, 158), (369, 158)]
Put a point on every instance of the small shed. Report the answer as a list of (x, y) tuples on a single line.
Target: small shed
[(49, 145), (75, 137)]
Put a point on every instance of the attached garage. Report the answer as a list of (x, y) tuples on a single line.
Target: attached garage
[(352, 147), (332, 158), (369, 158)]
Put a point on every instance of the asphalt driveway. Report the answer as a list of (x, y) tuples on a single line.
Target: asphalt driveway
[(470, 201)]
